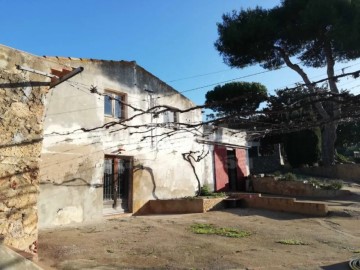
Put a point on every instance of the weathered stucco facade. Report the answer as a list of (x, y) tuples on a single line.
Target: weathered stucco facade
[(72, 166), (22, 97), (73, 160), (90, 146)]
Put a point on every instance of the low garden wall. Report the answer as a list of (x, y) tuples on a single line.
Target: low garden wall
[(202, 205), (341, 171), (181, 206), (269, 185), (289, 205)]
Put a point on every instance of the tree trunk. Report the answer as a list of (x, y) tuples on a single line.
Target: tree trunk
[(328, 135), (329, 130)]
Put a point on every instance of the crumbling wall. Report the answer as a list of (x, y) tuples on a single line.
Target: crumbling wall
[(21, 116)]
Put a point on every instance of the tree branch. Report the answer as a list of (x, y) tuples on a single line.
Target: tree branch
[(306, 79)]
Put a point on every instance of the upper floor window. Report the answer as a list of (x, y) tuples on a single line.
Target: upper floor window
[(171, 118), (113, 105)]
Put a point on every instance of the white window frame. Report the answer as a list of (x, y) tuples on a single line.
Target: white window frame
[(123, 109), (171, 118)]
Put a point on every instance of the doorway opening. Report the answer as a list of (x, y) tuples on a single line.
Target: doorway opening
[(117, 183), (231, 163)]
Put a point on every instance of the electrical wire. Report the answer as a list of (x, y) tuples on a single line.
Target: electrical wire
[(197, 107), (199, 75)]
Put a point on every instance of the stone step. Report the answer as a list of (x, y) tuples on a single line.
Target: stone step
[(112, 211)]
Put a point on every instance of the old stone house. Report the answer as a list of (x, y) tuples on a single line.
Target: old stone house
[(104, 141)]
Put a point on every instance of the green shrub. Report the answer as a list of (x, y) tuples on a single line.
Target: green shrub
[(335, 185), (342, 158), (315, 182), (328, 185), (205, 191), (218, 194), (288, 177)]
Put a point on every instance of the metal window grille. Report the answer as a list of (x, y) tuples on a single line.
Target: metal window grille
[(108, 179)]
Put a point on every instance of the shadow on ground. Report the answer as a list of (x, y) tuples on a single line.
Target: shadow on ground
[(338, 266)]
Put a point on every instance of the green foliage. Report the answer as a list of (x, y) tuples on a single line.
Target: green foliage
[(294, 104), (205, 191), (203, 228), (341, 158), (218, 194), (333, 185), (348, 134), (288, 177), (303, 147), (237, 98), (318, 33), (327, 185), (301, 28), (292, 242), (315, 182)]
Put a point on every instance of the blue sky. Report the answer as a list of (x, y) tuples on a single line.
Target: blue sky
[(173, 39)]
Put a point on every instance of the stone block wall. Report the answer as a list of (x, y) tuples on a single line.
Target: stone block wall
[(21, 117), (341, 171), (269, 185), (289, 205)]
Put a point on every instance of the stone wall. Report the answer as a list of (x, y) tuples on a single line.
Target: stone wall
[(341, 171), (269, 185), (21, 115), (289, 205)]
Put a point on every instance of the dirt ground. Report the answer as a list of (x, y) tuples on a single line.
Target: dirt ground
[(166, 242)]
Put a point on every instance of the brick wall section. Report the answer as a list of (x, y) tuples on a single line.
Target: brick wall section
[(21, 111)]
